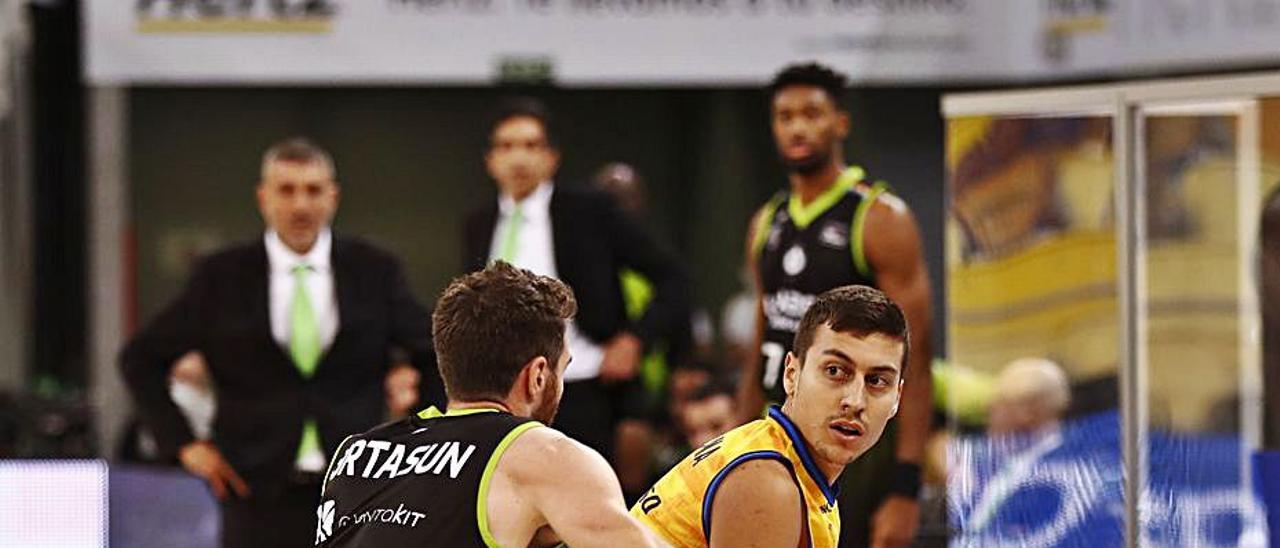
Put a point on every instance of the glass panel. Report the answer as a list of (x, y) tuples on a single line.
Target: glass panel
[(1031, 388), (1198, 492)]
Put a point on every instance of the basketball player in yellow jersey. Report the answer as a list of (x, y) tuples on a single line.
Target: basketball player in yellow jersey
[(771, 482)]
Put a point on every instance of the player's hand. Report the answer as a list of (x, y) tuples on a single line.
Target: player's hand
[(894, 524), (203, 459), (402, 389), (621, 358)]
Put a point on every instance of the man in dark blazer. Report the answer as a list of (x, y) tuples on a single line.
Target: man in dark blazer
[(580, 237), (297, 329)]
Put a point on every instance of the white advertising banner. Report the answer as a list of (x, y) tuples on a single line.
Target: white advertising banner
[(574, 42), (662, 42), (1136, 36)]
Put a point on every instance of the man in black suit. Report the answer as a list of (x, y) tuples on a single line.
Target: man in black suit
[(297, 329), (582, 238)]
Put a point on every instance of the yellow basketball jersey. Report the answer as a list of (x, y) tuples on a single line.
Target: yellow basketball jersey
[(678, 507)]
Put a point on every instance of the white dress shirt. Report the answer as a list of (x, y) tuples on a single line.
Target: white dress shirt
[(324, 303), (535, 251)]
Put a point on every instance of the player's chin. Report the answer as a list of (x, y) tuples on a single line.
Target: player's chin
[(843, 454), (800, 161), (850, 446)]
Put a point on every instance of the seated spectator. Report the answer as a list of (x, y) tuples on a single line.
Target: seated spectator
[(1031, 395), (708, 413)]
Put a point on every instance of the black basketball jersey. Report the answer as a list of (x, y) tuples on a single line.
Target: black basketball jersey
[(420, 481), (802, 252)]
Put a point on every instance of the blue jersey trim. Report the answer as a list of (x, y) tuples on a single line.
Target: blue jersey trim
[(710, 495), (828, 490)]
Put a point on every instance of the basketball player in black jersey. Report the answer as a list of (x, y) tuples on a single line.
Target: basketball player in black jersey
[(834, 226), (484, 472)]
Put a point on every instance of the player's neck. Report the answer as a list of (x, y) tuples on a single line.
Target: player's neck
[(808, 186), (831, 470), (455, 405), (518, 194)]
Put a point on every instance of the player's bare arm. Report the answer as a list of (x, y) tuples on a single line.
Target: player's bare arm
[(547, 479), (750, 394), (896, 256), (757, 505)]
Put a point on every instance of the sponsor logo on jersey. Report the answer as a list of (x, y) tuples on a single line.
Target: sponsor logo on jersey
[(794, 261), (327, 516), (324, 521), (386, 460), (835, 235), (388, 516), (785, 308)]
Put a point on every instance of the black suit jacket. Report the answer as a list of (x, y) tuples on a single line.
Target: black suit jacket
[(594, 241), (262, 398)]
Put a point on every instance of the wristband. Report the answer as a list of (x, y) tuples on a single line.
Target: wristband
[(905, 480)]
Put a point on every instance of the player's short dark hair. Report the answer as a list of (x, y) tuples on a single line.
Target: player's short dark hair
[(524, 107), (488, 324), (810, 74), (855, 309)]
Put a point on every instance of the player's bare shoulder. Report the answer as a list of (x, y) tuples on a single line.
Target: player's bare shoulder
[(543, 454), (888, 207), (895, 227)]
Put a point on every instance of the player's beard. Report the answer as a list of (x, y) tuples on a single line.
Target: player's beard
[(548, 407), (810, 165)]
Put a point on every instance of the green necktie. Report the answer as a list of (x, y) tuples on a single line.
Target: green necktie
[(304, 347), (509, 240)]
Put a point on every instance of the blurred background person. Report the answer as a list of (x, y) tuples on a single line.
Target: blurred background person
[(1031, 396), (738, 324), (621, 181), (709, 412), (684, 383), (693, 413), (296, 330), (643, 395), (584, 239)]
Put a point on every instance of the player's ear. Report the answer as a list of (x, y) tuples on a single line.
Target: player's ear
[(897, 398), (791, 374), (537, 377)]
